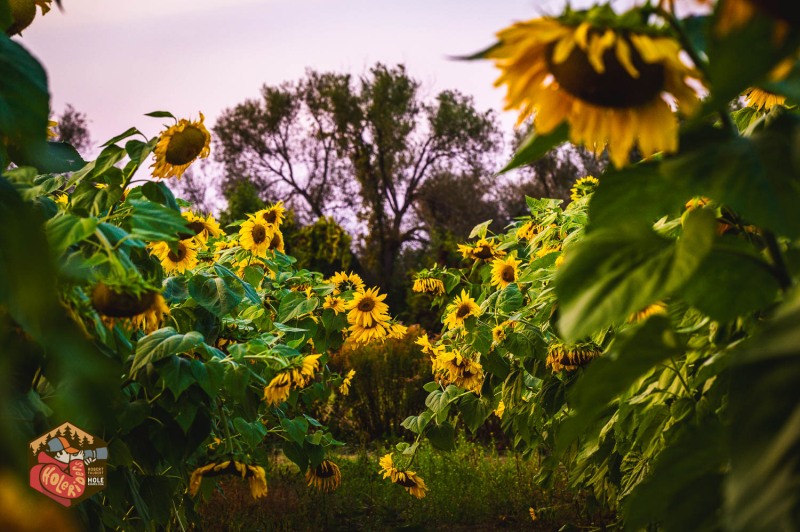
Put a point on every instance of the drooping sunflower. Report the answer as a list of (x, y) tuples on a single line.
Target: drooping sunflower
[(430, 285), (570, 358), (583, 187), (484, 249), (276, 242), (412, 482), (278, 389), (335, 303), (256, 476), (398, 331), (527, 231), (309, 366), (428, 348), (272, 215), (607, 84), (762, 100), (504, 272), (344, 282), (462, 307), (344, 388), (452, 367), (179, 146), (145, 309), (23, 12), (183, 258), (326, 477), (366, 308), (365, 334), (256, 236), (201, 229), (659, 308)]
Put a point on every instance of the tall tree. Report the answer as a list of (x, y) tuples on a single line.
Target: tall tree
[(73, 128), (360, 150)]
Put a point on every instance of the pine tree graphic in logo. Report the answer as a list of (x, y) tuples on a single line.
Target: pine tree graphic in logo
[(68, 464)]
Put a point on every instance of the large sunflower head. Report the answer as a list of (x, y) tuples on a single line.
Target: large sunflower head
[(325, 477), (256, 236), (179, 146), (344, 282), (366, 308), (608, 84), (277, 391), (183, 257), (504, 272), (273, 214), (201, 229), (460, 309)]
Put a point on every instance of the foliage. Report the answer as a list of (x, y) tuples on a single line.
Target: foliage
[(385, 389), (73, 128), (640, 327)]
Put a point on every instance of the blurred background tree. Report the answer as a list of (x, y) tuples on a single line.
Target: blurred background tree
[(73, 128)]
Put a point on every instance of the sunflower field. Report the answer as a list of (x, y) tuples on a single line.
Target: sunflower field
[(640, 344)]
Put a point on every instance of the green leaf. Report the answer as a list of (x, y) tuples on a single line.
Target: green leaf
[(630, 356), (24, 99), (442, 436), (479, 230), (296, 454), (474, 411), (176, 373), (231, 277), (160, 193), (536, 146), (162, 343), (127, 133), (431, 386), (66, 230), (439, 400), (160, 114), (296, 429), (613, 273), (417, 424), (217, 295), (153, 222), (252, 433), (732, 281), (294, 305), (54, 157), (5, 15), (509, 299)]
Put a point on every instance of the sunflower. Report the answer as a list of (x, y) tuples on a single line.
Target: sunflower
[(335, 303), (504, 272), (366, 308), (179, 146), (570, 358), (427, 348), (309, 366), (501, 408), (546, 250), (276, 242), (272, 215), (484, 249), (607, 84), (365, 334), (257, 477), (277, 391), (583, 187), (762, 100), (429, 285), (201, 229), (398, 331), (452, 367), (145, 309), (527, 231), (256, 236), (659, 308), (344, 388), (344, 282), (499, 333), (462, 307), (183, 258), (325, 477), (412, 482)]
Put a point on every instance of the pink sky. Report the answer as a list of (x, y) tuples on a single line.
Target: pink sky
[(118, 59)]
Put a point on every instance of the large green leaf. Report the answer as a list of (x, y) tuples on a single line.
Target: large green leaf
[(615, 272), (162, 343), (474, 411), (442, 436), (24, 100), (294, 305), (536, 146), (66, 230), (629, 357), (152, 222), (216, 294)]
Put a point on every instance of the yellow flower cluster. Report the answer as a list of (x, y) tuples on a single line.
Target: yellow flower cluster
[(181, 257), (368, 316), (298, 376), (484, 249), (412, 482), (569, 358), (261, 231), (451, 367)]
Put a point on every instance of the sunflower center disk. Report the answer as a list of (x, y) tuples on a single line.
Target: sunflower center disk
[(177, 256), (483, 252), (366, 305), (508, 274), (259, 234), (462, 311), (270, 217), (613, 88), (185, 146)]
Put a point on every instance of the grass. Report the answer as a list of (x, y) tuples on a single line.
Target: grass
[(471, 488)]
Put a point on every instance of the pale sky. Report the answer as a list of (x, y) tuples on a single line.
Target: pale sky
[(118, 59)]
